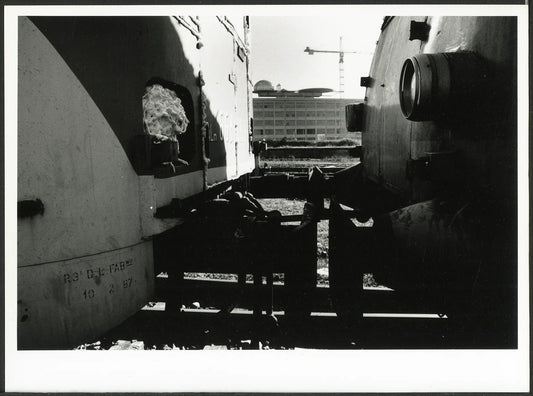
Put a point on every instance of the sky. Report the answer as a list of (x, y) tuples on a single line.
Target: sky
[(278, 44)]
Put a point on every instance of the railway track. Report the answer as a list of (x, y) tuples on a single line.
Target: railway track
[(387, 323)]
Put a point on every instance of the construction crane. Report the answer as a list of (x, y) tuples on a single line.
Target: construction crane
[(341, 53)]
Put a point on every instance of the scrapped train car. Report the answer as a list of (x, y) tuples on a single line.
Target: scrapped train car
[(438, 174), (120, 120)]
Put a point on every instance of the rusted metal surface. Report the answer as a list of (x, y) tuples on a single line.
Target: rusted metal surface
[(431, 249), (446, 256)]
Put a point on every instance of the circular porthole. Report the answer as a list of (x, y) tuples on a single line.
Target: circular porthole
[(408, 88), (442, 85), (424, 87)]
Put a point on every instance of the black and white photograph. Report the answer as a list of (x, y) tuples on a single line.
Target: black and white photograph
[(266, 198)]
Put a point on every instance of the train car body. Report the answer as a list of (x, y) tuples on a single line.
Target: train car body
[(483, 130), (439, 168), (90, 178)]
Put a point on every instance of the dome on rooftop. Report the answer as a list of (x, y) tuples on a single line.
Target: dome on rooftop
[(263, 85)]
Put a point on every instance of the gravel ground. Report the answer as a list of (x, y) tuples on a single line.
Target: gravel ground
[(308, 162)]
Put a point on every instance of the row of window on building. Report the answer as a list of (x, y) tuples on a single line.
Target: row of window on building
[(311, 119), (310, 104), (300, 122), (299, 131), (300, 113)]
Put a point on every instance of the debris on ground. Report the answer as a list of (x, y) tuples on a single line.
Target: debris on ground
[(123, 345), (95, 346), (216, 347), (369, 281), (127, 345)]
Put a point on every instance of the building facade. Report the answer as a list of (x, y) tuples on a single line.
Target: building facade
[(301, 118)]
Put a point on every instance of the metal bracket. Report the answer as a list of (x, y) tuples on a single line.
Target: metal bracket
[(419, 31), (30, 208)]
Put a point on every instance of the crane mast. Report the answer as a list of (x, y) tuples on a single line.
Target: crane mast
[(341, 53)]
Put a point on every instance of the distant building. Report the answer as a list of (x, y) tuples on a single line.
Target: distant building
[(298, 115)]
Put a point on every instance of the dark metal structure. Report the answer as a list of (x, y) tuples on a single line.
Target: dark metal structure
[(104, 206), (437, 176)]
